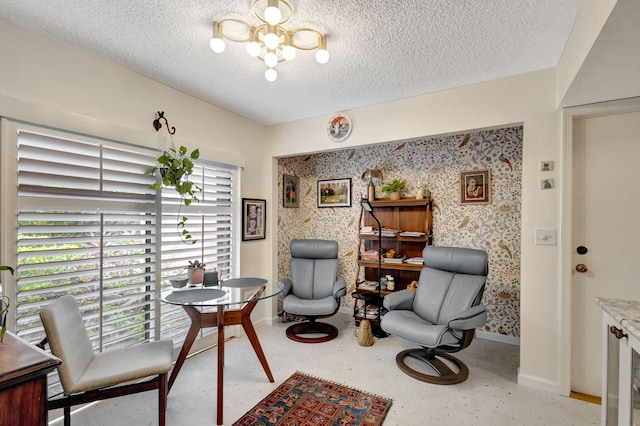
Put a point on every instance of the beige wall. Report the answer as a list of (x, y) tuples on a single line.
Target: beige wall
[(47, 82), (528, 99)]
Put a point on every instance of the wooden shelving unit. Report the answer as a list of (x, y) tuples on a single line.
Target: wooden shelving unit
[(407, 214)]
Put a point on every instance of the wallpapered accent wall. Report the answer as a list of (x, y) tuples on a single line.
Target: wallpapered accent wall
[(434, 163)]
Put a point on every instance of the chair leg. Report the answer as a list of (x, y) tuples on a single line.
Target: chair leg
[(442, 374), (326, 331), (162, 399), (67, 416)]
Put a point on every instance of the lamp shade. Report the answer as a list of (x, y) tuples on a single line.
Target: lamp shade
[(372, 175)]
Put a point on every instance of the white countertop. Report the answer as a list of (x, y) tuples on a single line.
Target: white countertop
[(626, 312)]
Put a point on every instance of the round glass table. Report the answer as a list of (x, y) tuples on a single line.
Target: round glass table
[(234, 299)]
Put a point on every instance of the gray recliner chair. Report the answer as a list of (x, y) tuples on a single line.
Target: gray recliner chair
[(442, 315), (313, 291)]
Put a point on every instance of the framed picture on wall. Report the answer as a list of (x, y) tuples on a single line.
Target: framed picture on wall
[(253, 219), (475, 186), (290, 192), (334, 193)]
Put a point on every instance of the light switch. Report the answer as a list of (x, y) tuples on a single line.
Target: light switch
[(545, 237)]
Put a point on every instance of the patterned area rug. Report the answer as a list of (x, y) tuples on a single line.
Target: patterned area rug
[(304, 400)]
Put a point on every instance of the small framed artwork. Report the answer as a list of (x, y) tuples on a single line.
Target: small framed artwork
[(334, 193), (339, 128), (290, 194), (253, 219), (546, 184), (546, 166), (475, 186)]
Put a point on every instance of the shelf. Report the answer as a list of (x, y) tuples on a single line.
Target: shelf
[(405, 202), (396, 238), (361, 293), (393, 266)]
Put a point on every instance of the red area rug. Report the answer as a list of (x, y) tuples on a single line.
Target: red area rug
[(304, 400)]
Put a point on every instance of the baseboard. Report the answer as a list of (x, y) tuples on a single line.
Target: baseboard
[(496, 337), (538, 383)]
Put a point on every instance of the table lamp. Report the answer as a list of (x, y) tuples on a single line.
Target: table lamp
[(372, 177)]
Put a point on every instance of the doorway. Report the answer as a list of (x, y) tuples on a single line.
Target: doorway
[(603, 154)]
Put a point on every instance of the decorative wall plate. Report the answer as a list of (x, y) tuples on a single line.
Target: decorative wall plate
[(339, 128)]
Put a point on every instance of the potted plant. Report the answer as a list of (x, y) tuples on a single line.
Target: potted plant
[(394, 188), (4, 306), (175, 167), (195, 272)]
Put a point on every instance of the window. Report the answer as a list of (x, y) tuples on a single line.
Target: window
[(89, 225)]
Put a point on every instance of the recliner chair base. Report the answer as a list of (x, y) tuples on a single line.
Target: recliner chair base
[(297, 331), (442, 373)]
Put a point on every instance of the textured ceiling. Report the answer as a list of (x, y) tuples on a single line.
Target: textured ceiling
[(379, 50)]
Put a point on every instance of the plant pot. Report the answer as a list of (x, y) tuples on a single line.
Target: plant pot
[(196, 276), (394, 195)]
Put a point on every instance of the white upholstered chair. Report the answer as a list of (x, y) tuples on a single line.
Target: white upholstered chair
[(88, 376)]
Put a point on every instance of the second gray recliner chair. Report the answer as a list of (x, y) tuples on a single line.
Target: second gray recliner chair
[(313, 291), (442, 315)]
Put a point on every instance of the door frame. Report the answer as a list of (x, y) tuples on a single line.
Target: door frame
[(569, 115)]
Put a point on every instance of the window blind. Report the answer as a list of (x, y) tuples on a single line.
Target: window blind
[(89, 225), (86, 226), (211, 224)]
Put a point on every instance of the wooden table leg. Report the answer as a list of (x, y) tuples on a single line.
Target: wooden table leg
[(247, 325)]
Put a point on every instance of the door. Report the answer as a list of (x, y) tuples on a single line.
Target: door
[(606, 222)]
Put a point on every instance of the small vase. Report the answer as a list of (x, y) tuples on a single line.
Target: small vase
[(394, 195), (196, 276)]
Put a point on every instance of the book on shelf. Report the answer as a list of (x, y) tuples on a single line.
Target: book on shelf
[(369, 230), (412, 234), (386, 232), (371, 311), (368, 285), (369, 255), (394, 259), (415, 260)]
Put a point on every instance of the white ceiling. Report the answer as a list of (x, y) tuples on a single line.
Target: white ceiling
[(379, 50)]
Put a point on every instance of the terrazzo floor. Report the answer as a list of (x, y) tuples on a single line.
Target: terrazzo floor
[(490, 396)]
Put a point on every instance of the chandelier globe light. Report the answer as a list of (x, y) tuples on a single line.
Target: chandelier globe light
[(269, 40)]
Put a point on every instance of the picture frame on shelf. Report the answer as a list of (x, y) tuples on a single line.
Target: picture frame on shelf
[(253, 219), (475, 186), (290, 191), (334, 193)]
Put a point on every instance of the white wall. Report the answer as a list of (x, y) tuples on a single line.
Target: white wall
[(592, 17), (527, 99), (47, 82)]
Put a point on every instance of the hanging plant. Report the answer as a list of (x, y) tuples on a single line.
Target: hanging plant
[(175, 167)]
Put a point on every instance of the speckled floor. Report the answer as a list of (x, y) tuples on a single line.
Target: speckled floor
[(489, 397)]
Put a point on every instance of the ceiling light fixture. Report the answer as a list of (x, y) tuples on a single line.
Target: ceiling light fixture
[(270, 41)]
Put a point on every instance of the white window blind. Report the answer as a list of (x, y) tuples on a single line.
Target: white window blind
[(211, 224), (87, 225)]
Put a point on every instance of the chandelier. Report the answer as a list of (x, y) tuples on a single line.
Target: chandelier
[(269, 40)]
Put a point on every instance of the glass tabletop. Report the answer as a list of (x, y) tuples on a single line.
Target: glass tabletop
[(231, 292)]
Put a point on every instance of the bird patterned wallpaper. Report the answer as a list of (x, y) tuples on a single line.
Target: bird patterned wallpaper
[(433, 164)]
